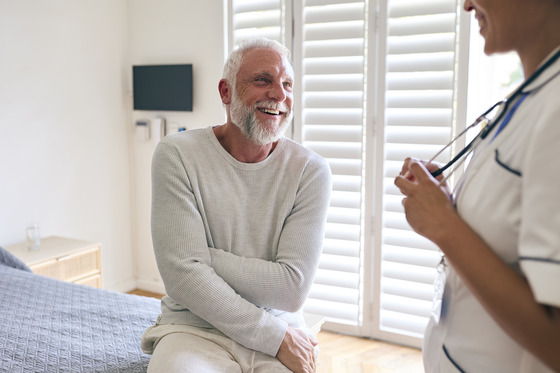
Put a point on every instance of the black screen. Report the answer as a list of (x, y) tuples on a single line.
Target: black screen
[(162, 87)]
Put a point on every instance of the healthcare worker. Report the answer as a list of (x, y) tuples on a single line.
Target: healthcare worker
[(499, 227)]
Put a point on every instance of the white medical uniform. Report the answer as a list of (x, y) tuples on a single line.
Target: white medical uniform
[(511, 197)]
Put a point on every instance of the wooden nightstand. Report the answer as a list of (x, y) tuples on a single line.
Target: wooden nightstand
[(64, 259)]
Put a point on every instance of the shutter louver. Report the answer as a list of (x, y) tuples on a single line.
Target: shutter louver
[(257, 18), (333, 41), (418, 122)]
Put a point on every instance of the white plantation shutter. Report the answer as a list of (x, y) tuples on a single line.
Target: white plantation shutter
[(250, 18), (419, 115), (375, 275), (330, 49)]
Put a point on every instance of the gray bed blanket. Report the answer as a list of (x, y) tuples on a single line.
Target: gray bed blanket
[(48, 325)]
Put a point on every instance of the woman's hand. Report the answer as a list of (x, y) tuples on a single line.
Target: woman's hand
[(427, 202), (430, 166)]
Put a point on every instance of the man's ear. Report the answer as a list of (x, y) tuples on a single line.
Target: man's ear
[(225, 90)]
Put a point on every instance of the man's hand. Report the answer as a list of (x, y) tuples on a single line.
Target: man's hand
[(297, 351)]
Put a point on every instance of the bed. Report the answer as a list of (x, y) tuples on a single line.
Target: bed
[(47, 325)]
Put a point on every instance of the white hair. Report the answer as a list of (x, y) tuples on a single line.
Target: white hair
[(235, 59)]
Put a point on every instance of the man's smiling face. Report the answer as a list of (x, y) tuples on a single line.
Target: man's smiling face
[(261, 103)]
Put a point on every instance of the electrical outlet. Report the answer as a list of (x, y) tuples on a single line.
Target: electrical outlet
[(174, 127)]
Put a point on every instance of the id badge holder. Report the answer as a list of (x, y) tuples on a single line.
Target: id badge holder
[(439, 286)]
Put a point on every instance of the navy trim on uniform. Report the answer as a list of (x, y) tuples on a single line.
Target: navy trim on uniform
[(451, 360), (513, 171), (545, 260)]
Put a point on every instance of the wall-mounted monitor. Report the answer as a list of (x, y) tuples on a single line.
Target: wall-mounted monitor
[(162, 87)]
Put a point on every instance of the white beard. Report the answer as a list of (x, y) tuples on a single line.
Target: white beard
[(257, 132)]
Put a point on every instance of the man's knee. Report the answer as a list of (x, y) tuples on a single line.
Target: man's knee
[(187, 353)]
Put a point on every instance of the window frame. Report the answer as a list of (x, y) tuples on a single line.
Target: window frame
[(374, 142)]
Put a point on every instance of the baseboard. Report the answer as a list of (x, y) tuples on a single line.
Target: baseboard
[(121, 287), (151, 286)]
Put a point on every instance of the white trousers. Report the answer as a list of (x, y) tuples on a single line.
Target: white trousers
[(187, 349)]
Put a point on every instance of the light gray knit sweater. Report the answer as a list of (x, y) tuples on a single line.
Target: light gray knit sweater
[(237, 244)]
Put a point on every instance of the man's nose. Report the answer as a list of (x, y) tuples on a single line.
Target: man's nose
[(277, 92)]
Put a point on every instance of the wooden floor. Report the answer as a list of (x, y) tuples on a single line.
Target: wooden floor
[(146, 293), (346, 354)]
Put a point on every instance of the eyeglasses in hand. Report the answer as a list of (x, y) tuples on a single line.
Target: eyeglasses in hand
[(490, 118)]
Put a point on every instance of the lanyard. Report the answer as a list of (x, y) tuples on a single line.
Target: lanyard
[(510, 114), (519, 91)]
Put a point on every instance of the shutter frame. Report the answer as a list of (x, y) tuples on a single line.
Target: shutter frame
[(365, 112)]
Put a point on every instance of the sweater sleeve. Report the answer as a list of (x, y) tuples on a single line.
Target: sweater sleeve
[(285, 283), (184, 261)]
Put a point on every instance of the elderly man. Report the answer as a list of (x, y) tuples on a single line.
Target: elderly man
[(238, 217)]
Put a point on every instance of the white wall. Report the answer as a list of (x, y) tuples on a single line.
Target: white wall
[(63, 140), (165, 32), (68, 158)]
